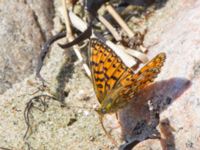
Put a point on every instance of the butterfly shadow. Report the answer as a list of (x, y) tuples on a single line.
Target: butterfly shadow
[(141, 117)]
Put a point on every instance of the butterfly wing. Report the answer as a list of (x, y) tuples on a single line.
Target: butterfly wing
[(133, 83), (106, 68), (115, 84)]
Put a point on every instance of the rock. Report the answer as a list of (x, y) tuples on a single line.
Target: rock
[(20, 41), (43, 13)]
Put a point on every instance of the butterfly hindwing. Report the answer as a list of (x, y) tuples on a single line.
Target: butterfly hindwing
[(143, 77)]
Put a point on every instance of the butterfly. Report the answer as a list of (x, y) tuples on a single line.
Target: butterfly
[(114, 83)]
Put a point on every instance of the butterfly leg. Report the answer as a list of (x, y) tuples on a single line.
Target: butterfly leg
[(106, 132), (117, 117)]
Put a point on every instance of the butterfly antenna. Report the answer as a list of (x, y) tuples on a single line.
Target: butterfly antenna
[(106, 132), (81, 107)]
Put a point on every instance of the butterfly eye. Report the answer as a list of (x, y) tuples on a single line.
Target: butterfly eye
[(103, 111)]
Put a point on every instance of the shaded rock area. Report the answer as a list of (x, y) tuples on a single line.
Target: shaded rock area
[(43, 14), (21, 36), (173, 29)]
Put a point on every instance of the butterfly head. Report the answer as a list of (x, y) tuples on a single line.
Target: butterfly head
[(104, 108), (101, 111)]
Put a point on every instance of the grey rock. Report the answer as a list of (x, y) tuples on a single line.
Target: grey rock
[(43, 13), (21, 37)]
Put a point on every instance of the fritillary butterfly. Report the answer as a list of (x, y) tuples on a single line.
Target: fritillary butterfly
[(114, 83)]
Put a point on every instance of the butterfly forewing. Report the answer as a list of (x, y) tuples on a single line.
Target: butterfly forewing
[(106, 68)]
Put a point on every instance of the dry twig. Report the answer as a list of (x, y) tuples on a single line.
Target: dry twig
[(112, 30), (119, 20), (70, 37), (140, 56)]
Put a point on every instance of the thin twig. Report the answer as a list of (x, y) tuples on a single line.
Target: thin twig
[(112, 30), (142, 57), (70, 38), (30, 105), (43, 53), (80, 25), (118, 18), (69, 34)]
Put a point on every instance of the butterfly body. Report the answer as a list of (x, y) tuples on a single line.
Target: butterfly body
[(112, 103)]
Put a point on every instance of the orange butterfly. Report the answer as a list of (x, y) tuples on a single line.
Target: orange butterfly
[(114, 83)]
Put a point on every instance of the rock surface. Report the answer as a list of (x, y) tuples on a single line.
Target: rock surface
[(21, 37), (173, 29)]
